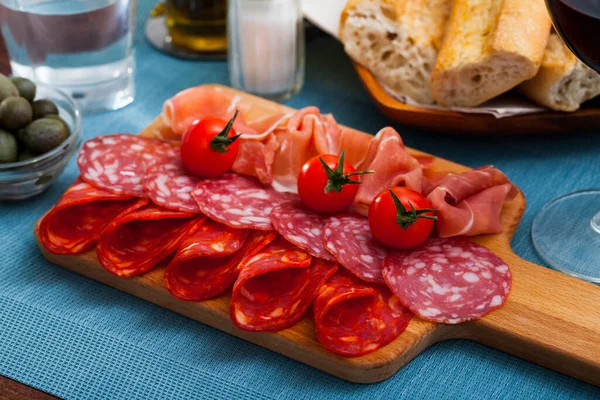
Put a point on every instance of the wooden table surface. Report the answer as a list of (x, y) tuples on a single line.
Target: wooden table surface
[(13, 390)]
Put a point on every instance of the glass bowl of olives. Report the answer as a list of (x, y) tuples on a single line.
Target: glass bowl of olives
[(40, 130)]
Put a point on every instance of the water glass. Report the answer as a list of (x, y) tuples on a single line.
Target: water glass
[(83, 47)]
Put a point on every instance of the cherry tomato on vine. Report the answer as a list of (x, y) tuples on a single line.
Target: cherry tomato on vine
[(209, 147), (327, 183), (401, 218)]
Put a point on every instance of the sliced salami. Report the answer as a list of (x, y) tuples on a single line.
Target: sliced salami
[(302, 227), (349, 239), (213, 239), (201, 272), (239, 201), (83, 211), (117, 163), (168, 184), (448, 280), (276, 286), (354, 318), (137, 241)]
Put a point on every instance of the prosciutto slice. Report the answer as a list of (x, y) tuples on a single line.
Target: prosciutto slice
[(295, 141), (199, 102), (470, 203), (283, 143), (393, 166)]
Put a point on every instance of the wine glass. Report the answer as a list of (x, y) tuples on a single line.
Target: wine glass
[(574, 217)]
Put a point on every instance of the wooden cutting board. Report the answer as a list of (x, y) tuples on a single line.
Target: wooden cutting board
[(550, 318)]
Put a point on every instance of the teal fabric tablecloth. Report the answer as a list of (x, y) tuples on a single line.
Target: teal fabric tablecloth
[(79, 339)]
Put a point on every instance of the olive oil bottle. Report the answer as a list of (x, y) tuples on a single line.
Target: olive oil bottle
[(198, 25)]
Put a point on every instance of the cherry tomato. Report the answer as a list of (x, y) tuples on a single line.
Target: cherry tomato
[(327, 183), (401, 218), (209, 147)]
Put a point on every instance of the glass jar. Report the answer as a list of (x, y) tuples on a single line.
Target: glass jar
[(266, 47)]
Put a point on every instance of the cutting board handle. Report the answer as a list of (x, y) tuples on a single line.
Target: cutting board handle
[(550, 318)]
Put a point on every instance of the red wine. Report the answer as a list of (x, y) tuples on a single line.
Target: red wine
[(578, 23)]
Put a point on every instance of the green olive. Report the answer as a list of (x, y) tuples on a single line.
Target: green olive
[(8, 147), (15, 113), (58, 118), (43, 107), (25, 87), (44, 134), (7, 88), (25, 154)]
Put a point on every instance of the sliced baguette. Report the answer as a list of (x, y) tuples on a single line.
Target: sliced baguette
[(490, 47), (563, 82), (397, 40)]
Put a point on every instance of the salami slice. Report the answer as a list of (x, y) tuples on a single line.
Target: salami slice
[(168, 184), (117, 163), (213, 239), (276, 286), (135, 242), (239, 201), (302, 227), (354, 318), (349, 239), (75, 222), (195, 275), (448, 280)]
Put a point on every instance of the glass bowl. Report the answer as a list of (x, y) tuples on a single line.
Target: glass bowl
[(23, 179)]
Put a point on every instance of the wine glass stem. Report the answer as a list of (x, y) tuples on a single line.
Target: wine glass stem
[(595, 222)]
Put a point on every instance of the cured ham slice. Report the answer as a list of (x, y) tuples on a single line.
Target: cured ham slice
[(470, 203), (199, 102), (257, 151), (392, 166), (328, 136), (276, 286), (307, 134), (272, 148), (295, 147), (355, 145), (137, 241), (209, 260), (354, 318), (74, 224), (256, 157)]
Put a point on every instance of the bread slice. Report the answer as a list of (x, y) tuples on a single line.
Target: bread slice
[(397, 40), (563, 82), (490, 47)]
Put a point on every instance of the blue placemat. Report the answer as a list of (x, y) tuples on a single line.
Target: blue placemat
[(78, 339)]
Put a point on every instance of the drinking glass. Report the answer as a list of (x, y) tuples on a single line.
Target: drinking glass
[(566, 231), (266, 47), (83, 47)]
